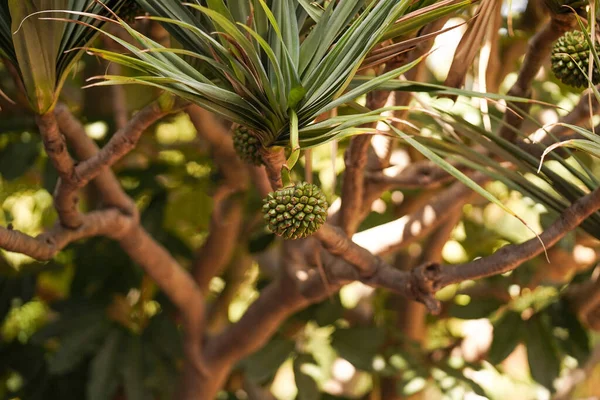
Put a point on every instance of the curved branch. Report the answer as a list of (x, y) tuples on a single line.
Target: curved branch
[(74, 177), (168, 274), (45, 246), (84, 147), (121, 143), (353, 184), (511, 256), (217, 250), (65, 197)]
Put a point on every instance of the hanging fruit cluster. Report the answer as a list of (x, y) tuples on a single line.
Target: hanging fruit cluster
[(297, 211), (570, 60), (247, 146), (294, 211)]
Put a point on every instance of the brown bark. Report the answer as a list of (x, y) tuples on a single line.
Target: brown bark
[(152, 257), (65, 196), (227, 216), (108, 185), (353, 185), (537, 52), (274, 160), (511, 256), (217, 250)]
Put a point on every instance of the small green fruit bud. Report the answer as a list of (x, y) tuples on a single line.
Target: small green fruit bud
[(295, 212), (247, 146), (570, 55)]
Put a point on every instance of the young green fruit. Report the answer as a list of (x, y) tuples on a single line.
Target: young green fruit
[(295, 212), (570, 55), (246, 146)]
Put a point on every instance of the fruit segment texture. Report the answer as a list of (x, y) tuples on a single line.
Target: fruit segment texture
[(570, 60), (295, 212)]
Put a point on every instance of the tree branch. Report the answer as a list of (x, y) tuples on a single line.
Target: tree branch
[(580, 115), (235, 277), (537, 52), (422, 174), (221, 145), (177, 284), (121, 143), (171, 277), (44, 247), (374, 271), (84, 147), (217, 250), (227, 216), (337, 243), (428, 278), (286, 295), (119, 95), (65, 198), (74, 177), (274, 160), (353, 184), (511, 256), (165, 271), (289, 294)]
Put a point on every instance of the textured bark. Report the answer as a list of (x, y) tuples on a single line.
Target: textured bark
[(84, 148), (65, 196)]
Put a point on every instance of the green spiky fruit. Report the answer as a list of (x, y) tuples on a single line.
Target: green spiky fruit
[(564, 6), (570, 55), (247, 146), (129, 10), (295, 212)]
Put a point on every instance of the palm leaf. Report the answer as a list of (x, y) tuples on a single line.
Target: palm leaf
[(566, 180), (41, 49), (7, 48), (261, 67)]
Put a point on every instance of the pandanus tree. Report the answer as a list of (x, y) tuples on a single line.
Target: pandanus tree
[(177, 284), (273, 70)]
